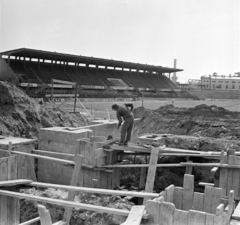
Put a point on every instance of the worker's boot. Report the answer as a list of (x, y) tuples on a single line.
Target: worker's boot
[(120, 143)]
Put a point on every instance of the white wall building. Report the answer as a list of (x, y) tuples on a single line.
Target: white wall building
[(220, 83)]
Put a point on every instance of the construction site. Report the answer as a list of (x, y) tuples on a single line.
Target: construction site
[(182, 165)]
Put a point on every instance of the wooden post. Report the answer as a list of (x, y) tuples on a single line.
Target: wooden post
[(151, 170), (75, 99), (52, 90), (74, 182), (189, 168), (44, 214), (188, 189)]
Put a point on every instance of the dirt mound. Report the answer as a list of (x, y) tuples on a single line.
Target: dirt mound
[(22, 116), (202, 120)]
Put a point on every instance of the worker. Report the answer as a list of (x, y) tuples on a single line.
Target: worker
[(124, 114)]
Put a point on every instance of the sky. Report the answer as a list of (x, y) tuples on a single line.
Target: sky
[(203, 35)]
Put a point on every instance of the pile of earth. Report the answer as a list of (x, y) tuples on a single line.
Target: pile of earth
[(202, 128), (202, 120), (79, 217), (22, 116)]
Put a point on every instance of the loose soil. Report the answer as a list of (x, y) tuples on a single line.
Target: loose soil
[(22, 116)]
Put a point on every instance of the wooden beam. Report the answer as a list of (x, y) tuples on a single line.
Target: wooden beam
[(74, 182), (135, 215), (52, 153), (14, 182), (60, 223), (49, 158), (136, 148), (142, 165), (211, 165), (30, 221), (64, 203), (236, 213), (95, 190), (151, 171), (206, 184)]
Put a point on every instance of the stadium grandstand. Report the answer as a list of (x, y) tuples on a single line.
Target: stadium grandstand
[(43, 73)]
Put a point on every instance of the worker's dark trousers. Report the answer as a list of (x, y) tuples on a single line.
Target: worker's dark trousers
[(127, 130)]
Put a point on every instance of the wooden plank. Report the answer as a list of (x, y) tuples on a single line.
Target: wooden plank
[(236, 213), (188, 189), (236, 176), (180, 217), (74, 182), (152, 170), (43, 157), (143, 176), (60, 223), (96, 190), (135, 215), (178, 197), (207, 206), (64, 203), (30, 221), (169, 193), (218, 218), (206, 184), (30, 169), (103, 179), (231, 198), (4, 199), (228, 213), (196, 217), (152, 208), (231, 161), (12, 211), (223, 176), (198, 201), (166, 213), (216, 199), (14, 182), (12, 168), (209, 219), (44, 214)]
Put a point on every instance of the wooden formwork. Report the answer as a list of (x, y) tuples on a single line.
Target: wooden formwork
[(183, 206), (25, 164), (9, 206)]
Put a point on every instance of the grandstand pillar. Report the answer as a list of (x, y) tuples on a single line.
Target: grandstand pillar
[(75, 67), (106, 71), (86, 68), (96, 70), (51, 65), (24, 63), (64, 64), (38, 64), (8, 60)]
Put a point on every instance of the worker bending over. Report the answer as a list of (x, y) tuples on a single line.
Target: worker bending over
[(124, 114)]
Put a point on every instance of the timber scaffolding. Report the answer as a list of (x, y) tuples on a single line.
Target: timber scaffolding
[(93, 165)]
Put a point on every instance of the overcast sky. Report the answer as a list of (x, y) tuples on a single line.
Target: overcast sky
[(203, 35)]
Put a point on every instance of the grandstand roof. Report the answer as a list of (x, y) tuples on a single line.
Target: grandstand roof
[(39, 54)]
